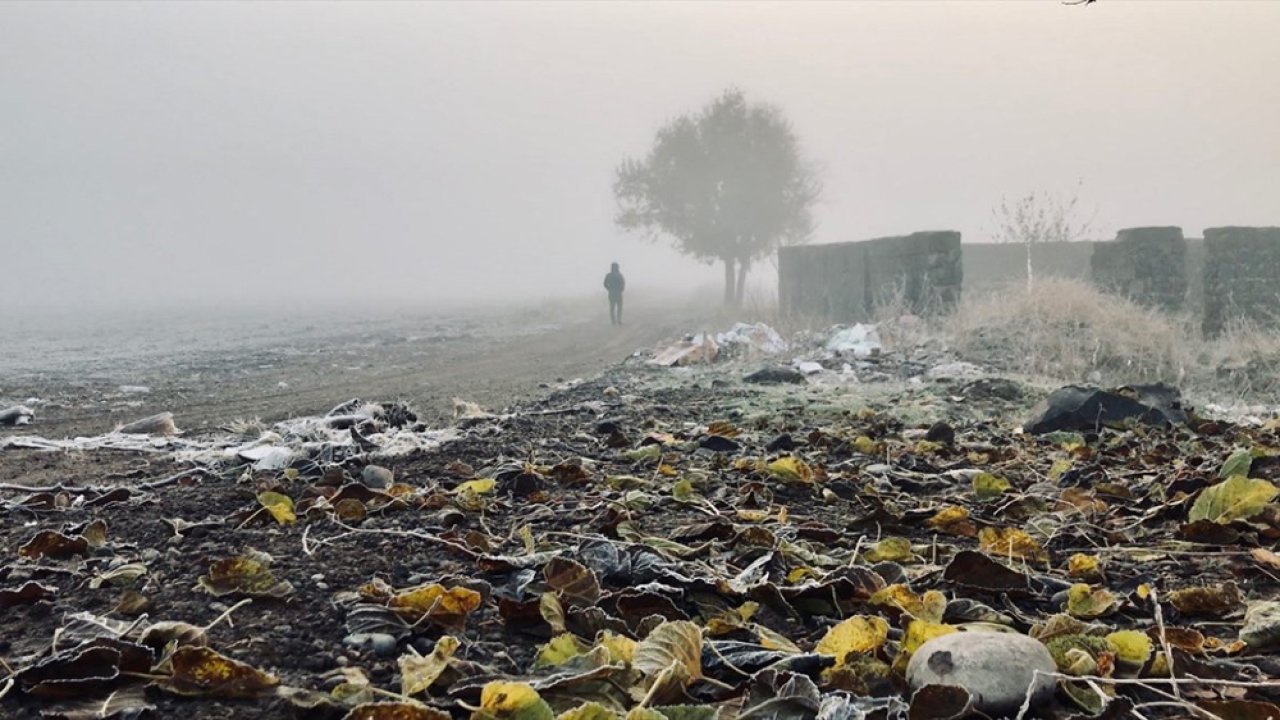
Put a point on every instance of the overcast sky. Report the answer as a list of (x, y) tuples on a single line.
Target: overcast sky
[(227, 152)]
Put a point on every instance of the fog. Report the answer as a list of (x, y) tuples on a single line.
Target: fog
[(237, 154)]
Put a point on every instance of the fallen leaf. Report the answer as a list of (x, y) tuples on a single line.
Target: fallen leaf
[(791, 469), (54, 545), (245, 576), (511, 701), (890, 549), (677, 642), (201, 672), (560, 650), (279, 505), (987, 486), (1237, 498), (1011, 543), (1087, 603), (395, 711), (1215, 600), (419, 672), (446, 607), (858, 634), (1131, 646)]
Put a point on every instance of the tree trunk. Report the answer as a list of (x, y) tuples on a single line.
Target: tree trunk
[(743, 267), (730, 293)]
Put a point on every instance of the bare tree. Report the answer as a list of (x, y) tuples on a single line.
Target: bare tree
[(1039, 217)]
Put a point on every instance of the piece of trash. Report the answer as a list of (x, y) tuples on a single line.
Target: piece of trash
[(17, 415), (808, 367), (861, 340), (775, 375), (700, 348), (160, 424), (1088, 409), (751, 340), (133, 389)]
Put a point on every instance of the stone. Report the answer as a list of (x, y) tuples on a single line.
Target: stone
[(381, 644), (996, 668), (377, 477), (775, 375)]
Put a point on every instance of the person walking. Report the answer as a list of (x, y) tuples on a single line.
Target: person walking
[(615, 284)]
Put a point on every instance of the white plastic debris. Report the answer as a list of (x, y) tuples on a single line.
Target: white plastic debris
[(861, 340), (17, 415), (133, 389), (758, 338), (808, 367)]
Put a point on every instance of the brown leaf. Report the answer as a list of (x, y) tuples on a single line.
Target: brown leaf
[(576, 584), (1266, 558), (30, 592), (201, 672), (1215, 600), (975, 570), (940, 702), (395, 711), (244, 576), (54, 545), (127, 702)]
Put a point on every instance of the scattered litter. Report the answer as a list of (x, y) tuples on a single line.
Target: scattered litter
[(700, 348), (751, 340), (861, 340), (160, 424), (17, 415), (808, 367), (1089, 409), (955, 371)]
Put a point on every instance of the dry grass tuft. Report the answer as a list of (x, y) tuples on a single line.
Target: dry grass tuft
[(1068, 330)]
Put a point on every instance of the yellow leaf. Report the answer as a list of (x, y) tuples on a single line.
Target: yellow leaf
[(448, 607), (1087, 603), (791, 469), (588, 711), (890, 549), (418, 672), (621, 648), (511, 701), (483, 486), (1084, 567), (683, 491), (921, 631), (667, 470), (858, 634), (866, 445), (953, 520), (279, 505), (931, 606), (1237, 498), (798, 574), (752, 515), (560, 650), (1059, 468), (987, 486), (771, 640), (1011, 543), (1131, 646)]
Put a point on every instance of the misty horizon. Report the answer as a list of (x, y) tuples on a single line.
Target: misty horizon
[(455, 154)]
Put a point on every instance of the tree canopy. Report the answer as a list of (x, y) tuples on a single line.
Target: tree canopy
[(726, 184)]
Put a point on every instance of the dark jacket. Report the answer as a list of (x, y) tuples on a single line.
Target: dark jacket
[(615, 283)]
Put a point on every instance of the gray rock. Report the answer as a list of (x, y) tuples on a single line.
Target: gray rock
[(996, 668), (381, 644), (377, 477), (775, 375)]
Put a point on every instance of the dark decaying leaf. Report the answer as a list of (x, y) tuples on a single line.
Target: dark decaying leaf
[(575, 583), (30, 592), (973, 569), (201, 672), (88, 670), (1241, 709), (940, 702), (781, 696)]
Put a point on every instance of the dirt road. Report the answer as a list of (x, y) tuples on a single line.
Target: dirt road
[(491, 360)]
